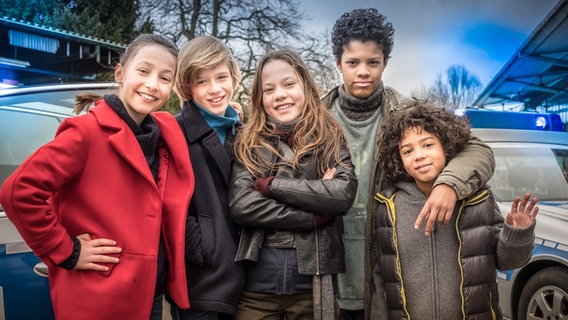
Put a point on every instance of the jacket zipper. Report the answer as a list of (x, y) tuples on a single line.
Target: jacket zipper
[(284, 275), (391, 213), (240, 246), (435, 297), (317, 252), (477, 199)]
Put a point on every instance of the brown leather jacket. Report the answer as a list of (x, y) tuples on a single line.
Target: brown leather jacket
[(294, 199)]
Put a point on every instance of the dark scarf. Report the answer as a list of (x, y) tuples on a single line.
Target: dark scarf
[(358, 109), (147, 133), (285, 130)]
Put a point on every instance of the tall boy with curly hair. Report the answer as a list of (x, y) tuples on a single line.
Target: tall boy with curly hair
[(362, 44)]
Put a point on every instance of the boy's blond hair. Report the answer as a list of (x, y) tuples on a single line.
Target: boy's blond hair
[(203, 52)]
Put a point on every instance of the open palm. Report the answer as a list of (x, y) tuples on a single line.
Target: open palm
[(523, 212)]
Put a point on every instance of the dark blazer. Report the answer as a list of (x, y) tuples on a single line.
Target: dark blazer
[(215, 281)]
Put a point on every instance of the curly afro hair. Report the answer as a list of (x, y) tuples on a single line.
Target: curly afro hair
[(363, 25), (453, 131)]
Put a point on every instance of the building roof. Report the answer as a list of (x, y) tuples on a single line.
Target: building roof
[(35, 54), (537, 74)]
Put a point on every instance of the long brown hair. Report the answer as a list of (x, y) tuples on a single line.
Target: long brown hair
[(316, 134), (84, 101)]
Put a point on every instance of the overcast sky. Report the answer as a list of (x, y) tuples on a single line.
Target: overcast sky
[(431, 35)]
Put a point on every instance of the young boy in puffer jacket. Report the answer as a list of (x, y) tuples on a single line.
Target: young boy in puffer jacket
[(451, 273)]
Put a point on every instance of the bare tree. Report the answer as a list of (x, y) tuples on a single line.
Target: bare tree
[(456, 90), (249, 27)]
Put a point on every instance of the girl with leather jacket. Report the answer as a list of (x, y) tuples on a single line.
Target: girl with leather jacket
[(292, 182)]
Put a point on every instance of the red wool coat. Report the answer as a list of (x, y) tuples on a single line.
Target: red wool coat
[(93, 178)]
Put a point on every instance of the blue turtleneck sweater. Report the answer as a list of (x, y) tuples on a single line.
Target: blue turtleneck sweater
[(220, 123)]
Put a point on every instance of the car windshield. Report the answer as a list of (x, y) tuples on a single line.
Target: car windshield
[(22, 133), (541, 171), (28, 121)]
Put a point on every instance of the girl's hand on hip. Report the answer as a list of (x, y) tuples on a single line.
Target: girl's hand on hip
[(96, 251)]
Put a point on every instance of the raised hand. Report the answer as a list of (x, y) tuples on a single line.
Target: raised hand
[(523, 212), (96, 251)]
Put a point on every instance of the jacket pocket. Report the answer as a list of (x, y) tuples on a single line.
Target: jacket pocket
[(200, 241), (87, 294), (208, 239)]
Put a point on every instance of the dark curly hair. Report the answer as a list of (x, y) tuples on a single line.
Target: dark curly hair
[(364, 25), (452, 130)]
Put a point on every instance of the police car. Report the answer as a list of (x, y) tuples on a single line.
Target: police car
[(531, 155), (29, 118)]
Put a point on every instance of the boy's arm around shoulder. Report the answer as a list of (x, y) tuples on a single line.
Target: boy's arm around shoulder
[(469, 170)]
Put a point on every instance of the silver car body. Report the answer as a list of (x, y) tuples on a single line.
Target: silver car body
[(535, 162)]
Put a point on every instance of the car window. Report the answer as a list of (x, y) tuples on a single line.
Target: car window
[(562, 158), (29, 118), (22, 133), (539, 170)]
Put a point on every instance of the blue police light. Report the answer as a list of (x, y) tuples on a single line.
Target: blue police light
[(460, 112), (512, 120), (540, 123)]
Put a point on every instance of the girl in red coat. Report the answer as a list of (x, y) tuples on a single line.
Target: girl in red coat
[(104, 203)]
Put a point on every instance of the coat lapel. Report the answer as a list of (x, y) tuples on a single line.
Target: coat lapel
[(196, 128), (123, 139)]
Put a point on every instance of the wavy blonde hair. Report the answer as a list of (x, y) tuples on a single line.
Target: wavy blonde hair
[(317, 134)]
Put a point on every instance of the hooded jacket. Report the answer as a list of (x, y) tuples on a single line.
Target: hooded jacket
[(93, 178), (449, 275)]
